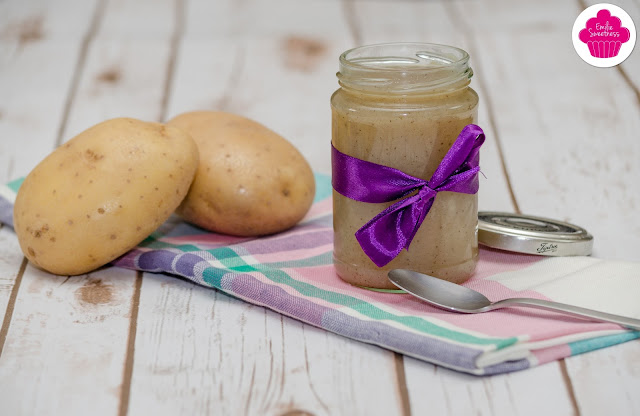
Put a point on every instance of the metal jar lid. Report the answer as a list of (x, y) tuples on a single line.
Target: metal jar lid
[(532, 235)]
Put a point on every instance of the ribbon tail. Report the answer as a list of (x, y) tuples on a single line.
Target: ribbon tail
[(423, 214), (386, 234)]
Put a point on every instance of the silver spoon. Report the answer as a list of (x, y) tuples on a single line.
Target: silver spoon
[(456, 298)]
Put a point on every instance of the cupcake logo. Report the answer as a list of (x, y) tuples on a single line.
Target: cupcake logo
[(604, 35)]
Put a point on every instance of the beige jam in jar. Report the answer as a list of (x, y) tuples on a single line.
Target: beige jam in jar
[(403, 105)]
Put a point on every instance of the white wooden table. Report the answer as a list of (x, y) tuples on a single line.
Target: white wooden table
[(563, 142)]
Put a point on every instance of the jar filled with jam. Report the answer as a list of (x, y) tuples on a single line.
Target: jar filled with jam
[(403, 105)]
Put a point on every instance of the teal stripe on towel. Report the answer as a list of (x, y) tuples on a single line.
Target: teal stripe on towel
[(323, 187), (15, 185), (586, 345)]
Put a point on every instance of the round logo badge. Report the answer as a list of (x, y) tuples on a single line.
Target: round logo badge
[(604, 35)]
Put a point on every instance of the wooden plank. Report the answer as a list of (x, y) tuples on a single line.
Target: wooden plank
[(121, 79), (34, 36), (126, 66), (575, 127), (30, 34), (199, 351), (235, 21), (71, 334), (439, 390), (10, 261), (32, 101), (605, 381), (252, 360), (30, 112), (151, 21), (445, 392), (65, 347)]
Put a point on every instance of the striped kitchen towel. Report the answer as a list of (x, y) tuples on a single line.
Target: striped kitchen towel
[(292, 273)]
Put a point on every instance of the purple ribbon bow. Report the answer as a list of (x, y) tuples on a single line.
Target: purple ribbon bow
[(386, 234)]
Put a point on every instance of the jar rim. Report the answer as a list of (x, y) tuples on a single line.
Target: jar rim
[(404, 68), (364, 63)]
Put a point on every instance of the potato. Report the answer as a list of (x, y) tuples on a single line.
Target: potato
[(250, 181), (97, 196)]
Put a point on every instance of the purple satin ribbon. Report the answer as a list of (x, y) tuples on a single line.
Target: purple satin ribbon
[(393, 229)]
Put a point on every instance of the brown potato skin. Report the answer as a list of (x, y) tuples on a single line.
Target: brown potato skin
[(101, 193), (250, 181)]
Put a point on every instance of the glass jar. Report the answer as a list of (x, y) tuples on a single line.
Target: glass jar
[(403, 105)]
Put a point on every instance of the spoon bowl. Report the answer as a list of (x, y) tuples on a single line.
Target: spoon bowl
[(457, 298), (438, 292)]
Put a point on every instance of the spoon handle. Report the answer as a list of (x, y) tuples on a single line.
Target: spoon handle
[(625, 321)]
